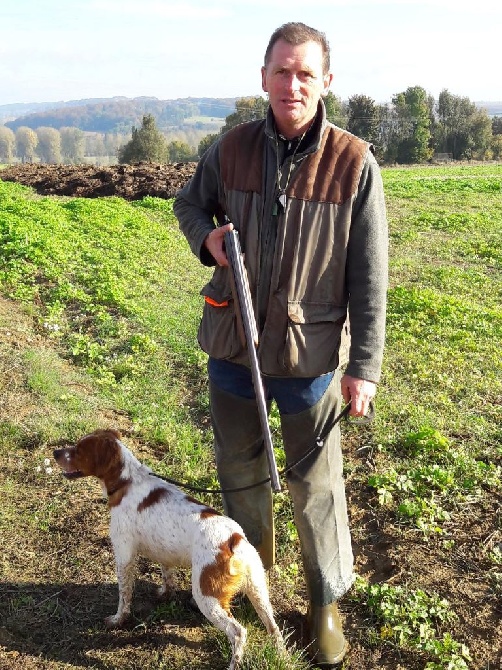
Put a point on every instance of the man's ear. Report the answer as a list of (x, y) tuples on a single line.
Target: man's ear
[(264, 79), (328, 78)]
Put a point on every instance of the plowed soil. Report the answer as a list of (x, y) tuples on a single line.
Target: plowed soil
[(131, 182)]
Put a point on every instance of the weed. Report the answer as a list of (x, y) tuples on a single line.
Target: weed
[(411, 620)]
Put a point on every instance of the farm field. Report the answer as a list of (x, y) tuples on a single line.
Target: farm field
[(99, 308)]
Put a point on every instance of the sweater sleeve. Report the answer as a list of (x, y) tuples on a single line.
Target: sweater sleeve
[(367, 275), (197, 203)]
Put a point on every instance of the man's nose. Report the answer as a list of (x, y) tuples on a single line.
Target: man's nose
[(292, 82)]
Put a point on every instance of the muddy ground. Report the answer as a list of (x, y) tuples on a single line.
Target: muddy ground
[(131, 182)]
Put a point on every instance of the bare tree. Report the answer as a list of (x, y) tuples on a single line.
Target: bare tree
[(7, 145), (72, 145), (49, 145), (26, 144)]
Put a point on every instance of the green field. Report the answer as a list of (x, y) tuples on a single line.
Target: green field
[(98, 320)]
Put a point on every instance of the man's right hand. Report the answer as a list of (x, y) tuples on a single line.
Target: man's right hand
[(214, 243)]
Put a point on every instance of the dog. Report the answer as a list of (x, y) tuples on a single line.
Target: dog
[(155, 519)]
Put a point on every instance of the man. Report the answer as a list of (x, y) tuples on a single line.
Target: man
[(307, 200)]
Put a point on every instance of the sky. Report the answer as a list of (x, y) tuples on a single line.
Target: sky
[(60, 50)]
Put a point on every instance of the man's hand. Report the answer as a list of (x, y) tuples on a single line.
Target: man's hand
[(358, 392), (214, 243)]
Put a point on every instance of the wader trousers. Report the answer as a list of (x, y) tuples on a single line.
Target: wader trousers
[(316, 485)]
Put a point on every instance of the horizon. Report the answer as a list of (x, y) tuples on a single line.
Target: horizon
[(188, 97), (56, 51)]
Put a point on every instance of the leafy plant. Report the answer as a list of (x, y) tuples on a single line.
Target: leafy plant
[(411, 619)]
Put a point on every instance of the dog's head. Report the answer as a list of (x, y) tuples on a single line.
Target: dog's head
[(97, 454)]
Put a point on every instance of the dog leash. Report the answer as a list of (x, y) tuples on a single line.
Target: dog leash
[(319, 444)]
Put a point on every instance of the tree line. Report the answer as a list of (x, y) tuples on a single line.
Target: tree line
[(73, 146), (412, 128)]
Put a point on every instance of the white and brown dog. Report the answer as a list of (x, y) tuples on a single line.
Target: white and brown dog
[(154, 519)]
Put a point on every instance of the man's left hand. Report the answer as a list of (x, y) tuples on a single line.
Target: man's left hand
[(359, 392)]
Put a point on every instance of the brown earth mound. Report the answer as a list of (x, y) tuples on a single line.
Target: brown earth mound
[(131, 182)]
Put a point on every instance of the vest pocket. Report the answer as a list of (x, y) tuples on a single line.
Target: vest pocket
[(218, 334), (313, 338)]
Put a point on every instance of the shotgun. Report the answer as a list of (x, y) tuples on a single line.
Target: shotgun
[(249, 333)]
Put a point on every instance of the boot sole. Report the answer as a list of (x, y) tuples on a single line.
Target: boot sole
[(337, 660)]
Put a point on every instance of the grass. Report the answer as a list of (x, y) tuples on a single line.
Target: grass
[(98, 327)]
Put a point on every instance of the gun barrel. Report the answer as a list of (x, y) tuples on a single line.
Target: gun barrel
[(245, 306)]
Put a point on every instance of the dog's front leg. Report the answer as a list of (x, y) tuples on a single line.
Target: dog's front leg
[(126, 569)]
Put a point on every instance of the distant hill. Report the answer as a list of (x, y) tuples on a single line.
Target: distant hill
[(119, 114), (492, 108), (115, 115), (14, 110)]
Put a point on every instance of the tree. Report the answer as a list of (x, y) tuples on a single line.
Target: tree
[(462, 127), (246, 109), (72, 145), (497, 147), (481, 134), (206, 142), (180, 152), (335, 111), (363, 118), (147, 144), (414, 134), (26, 144), (388, 133), (112, 144), (497, 125), (49, 145), (497, 137), (7, 144)]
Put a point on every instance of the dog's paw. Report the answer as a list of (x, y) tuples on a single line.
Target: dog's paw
[(115, 621)]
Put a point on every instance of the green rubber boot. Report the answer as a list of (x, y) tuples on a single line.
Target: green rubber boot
[(328, 645)]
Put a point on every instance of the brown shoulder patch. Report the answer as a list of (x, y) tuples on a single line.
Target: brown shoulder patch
[(247, 140), (206, 511), (154, 497), (331, 174)]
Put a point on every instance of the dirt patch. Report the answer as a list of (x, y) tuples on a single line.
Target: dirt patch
[(131, 182)]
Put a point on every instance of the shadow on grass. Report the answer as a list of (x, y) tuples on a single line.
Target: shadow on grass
[(64, 623)]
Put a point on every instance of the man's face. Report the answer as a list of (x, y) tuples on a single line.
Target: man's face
[(294, 81)]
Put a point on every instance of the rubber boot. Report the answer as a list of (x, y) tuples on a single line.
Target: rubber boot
[(328, 645), (241, 460)]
